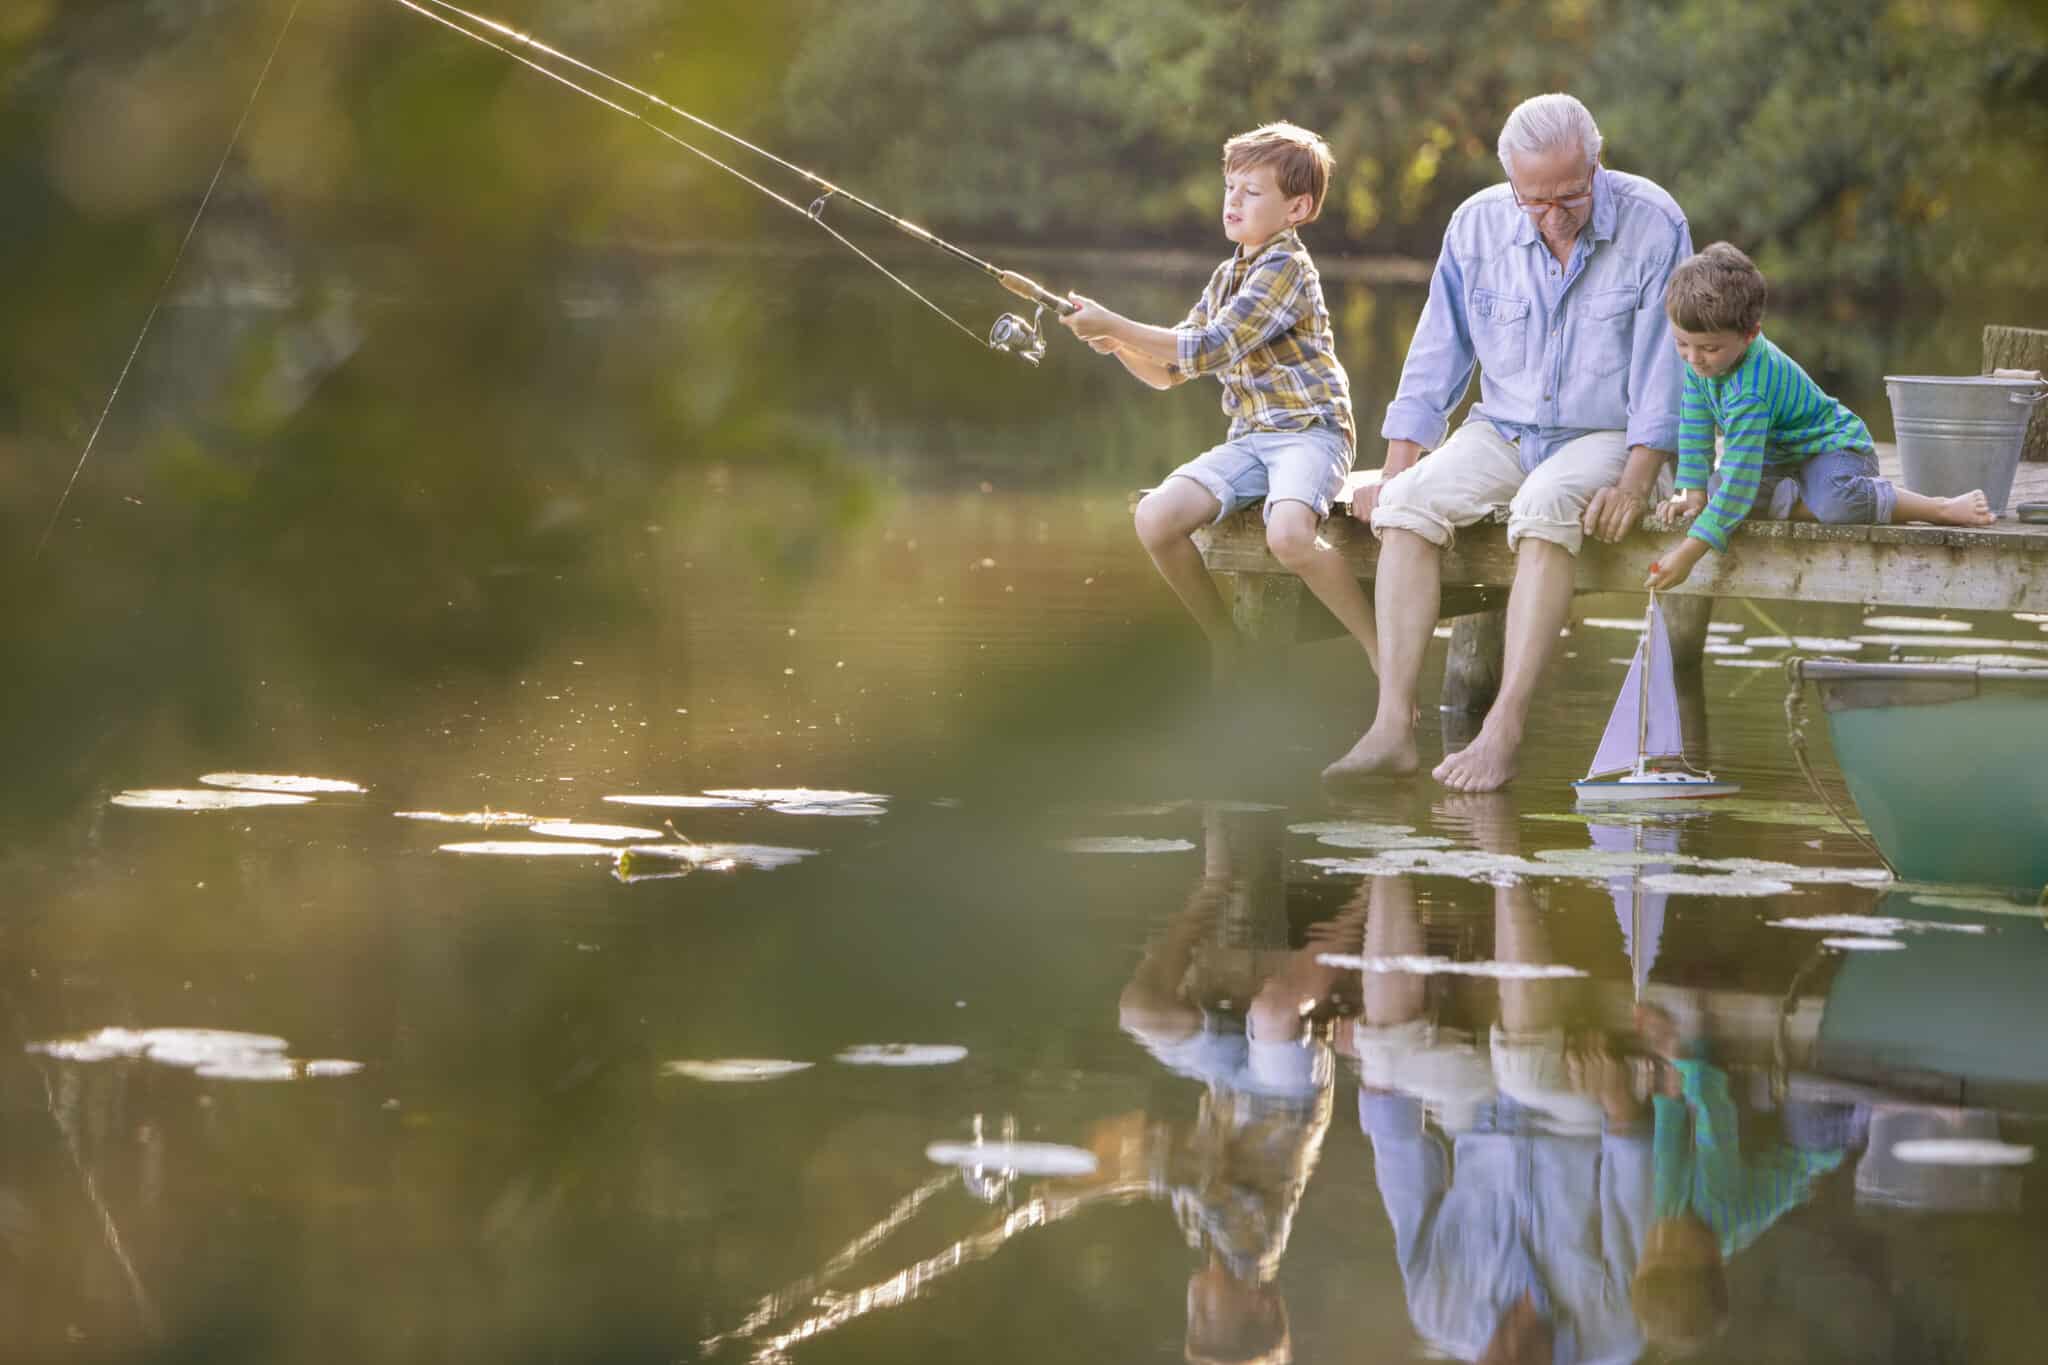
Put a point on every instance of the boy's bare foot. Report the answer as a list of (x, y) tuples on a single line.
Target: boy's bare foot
[(1964, 509), (1487, 764), (1388, 752)]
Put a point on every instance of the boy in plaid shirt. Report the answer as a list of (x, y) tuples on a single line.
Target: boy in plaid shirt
[(1262, 328)]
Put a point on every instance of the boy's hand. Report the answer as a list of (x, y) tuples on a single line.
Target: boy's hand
[(1681, 507), (1089, 319), (1676, 565)]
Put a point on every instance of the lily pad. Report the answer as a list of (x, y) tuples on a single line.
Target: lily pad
[(217, 1054), (714, 857), (844, 808), (1024, 1158), (532, 848), (1961, 1152), (902, 1054), (279, 782), (1931, 624), (1727, 884), (793, 796), (1364, 829), (735, 1070), (1828, 644), (1872, 924), (473, 817), (682, 802), (1119, 844), (1357, 840), (172, 798), (576, 829), (1444, 966), (1862, 945)]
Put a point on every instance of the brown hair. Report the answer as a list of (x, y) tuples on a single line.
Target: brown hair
[(1680, 1307), (1301, 160), (1719, 290)]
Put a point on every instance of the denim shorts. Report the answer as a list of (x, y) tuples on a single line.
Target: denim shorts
[(1273, 466)]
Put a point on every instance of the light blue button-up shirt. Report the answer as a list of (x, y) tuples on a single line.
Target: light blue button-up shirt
[(1562, 349)]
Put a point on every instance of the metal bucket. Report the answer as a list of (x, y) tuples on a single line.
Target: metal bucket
[(1961, 432)]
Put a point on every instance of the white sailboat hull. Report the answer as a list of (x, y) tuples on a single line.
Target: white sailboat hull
[(1654, 787)]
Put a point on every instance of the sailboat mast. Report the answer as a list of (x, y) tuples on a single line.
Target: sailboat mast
[(1643, 684)]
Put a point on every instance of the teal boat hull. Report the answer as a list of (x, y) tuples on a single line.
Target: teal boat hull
[(1948, 765)]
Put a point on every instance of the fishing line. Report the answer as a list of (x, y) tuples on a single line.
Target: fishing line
[(164, 288), (1009, 334)]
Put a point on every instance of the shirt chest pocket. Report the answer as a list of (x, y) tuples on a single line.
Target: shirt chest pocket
[(1500, 332), (1604, 333)]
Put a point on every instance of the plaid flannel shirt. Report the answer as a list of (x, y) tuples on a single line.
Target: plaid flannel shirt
[(1262, 328)]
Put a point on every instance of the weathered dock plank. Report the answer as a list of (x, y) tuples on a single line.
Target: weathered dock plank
[(2000, 568)]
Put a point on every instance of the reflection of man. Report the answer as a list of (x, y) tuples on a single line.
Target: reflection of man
[(1554, 284), (1237, 1175), (1518, 1215)]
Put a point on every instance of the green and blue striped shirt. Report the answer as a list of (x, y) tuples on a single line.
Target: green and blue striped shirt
[(1769, 413), (1700, 1169)]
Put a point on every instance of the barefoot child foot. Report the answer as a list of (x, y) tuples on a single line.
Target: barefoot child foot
[(1964, 509)]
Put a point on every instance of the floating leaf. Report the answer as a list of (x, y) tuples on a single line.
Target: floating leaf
[(532, 848), (1024, 1158), (682, 802), (793, 796), (1364, 829), (735, 1069), (170, 798), (1937, 624), (849, 808), (279, 782), (1871, 924), (1822, 643), (576, 829), (1961, 1152), (903, 1054), (217, 1054), (715, 857), (1117, 844), (1689, 884), (1444, 966), (474, 817)]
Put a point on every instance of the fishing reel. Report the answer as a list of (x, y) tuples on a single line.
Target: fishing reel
[(1022, 339)]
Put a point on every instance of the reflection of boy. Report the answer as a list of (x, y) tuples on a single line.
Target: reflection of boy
[(1710, 1201), (1237, 1175), (1262, 328), (1788, 447)]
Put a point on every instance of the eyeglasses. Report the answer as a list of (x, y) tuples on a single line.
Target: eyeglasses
[(1536, 208)]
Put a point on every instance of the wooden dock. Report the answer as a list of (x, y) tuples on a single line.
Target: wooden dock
[(2003, 567)]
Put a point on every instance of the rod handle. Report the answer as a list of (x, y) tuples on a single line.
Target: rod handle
[(1023, 286)]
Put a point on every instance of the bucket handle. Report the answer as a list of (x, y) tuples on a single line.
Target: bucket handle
[(2027, 400)]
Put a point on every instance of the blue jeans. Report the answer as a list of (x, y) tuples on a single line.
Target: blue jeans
[(1840, 487)]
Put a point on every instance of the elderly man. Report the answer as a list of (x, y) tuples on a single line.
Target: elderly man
[(1554, 284)]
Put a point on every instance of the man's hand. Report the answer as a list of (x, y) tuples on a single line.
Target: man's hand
[(1675, 566), (1613, 513), (1681, 507), (1400, 455), (1104, 345), (1089, 320), (1594, 1070)]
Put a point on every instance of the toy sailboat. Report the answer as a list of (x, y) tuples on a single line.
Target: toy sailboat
[(1644, 726)]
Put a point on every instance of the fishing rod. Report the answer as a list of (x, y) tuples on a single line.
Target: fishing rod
[(1011, 332)]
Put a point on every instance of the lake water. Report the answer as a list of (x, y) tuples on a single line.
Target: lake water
[(657, 538)]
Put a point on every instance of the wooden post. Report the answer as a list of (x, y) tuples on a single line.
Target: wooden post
[(2021, 348), (1263, 607), (1685, 620), (1472, 667)]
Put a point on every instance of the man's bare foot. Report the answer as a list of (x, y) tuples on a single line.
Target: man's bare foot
[(1383, 751), (1964, 509), (1486, 764)]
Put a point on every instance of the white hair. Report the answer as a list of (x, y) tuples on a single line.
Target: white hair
[(1545, 123)]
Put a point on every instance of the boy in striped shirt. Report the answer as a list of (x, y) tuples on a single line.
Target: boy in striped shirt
[(1263, 329), (1789, 450)]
